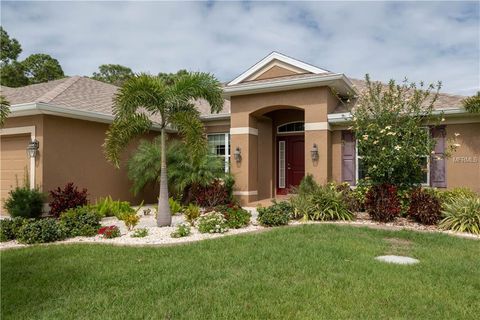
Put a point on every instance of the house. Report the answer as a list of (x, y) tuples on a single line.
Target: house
[(280, 122)]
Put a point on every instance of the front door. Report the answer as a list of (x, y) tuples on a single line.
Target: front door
[(290, 162)]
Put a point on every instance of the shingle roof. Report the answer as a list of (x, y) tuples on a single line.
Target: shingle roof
[(78, 93), (85, 94)]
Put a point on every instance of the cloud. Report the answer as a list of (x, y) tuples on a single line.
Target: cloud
[(427, 41)]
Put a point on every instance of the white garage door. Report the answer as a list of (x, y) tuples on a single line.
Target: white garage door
[(14, 164)]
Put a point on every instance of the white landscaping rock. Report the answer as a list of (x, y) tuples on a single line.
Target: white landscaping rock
[(397, 259)]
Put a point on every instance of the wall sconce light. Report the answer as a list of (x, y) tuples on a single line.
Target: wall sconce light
[(237, 154), (32, 148), (314, 152)]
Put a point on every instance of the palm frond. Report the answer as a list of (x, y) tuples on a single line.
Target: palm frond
[(192, 131), (196, 85), (4, 109), (121, 132)]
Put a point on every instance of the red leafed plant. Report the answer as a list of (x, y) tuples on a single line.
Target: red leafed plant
[(109, 232), (382, 203), (424, 207), (66, 198), (211, 196)]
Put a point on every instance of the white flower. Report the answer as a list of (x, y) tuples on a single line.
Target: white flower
[(443, 119), (382, 131), (388, 127), (365, 137), (375, 142), (456, 145), (457, 134), (398, 148), (383, 148)]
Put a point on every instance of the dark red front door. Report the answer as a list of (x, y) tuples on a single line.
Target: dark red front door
[(290, 162)]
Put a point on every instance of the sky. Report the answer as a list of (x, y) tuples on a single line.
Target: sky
[(423, 41)]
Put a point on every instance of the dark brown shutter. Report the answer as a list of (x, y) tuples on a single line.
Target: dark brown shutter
[(438, 177), (348, 157)]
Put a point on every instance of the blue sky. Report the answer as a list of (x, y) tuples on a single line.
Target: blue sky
[(426, 41)]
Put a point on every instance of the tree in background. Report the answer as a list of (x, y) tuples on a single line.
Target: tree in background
[(115, 74), (169, 78), (144, 97), (41, 67), (36, 68)]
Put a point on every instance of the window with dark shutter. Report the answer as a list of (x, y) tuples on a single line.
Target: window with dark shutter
[(348, 157)]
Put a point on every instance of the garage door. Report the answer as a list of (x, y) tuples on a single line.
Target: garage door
[(14, 164)]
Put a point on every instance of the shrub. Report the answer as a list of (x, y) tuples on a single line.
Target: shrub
[(211, 196), (131, 220), (24, 202), (109, 232), (191, 212), (324, 203), (236, 216), (307, 185), (140, 233), (462, 214), (382, 203), (107, 207), (424, 207), (449, 196), (175, 206), (182, 230), (41, 231), (212, 222), (352, 201), (472, 104), (80, 221), (9, 228), (66, 198), (272, 216)]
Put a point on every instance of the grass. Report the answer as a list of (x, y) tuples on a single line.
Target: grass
[(306, 272)]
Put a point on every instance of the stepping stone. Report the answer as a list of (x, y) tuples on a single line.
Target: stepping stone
[(397, 259)]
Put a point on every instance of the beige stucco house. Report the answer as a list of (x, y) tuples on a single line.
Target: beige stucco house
[(280, 122)]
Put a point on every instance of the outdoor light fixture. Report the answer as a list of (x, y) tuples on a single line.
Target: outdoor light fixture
[(314, 152), (32, 148), (237, 154)]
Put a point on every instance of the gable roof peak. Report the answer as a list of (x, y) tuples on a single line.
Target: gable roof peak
[(274, 55)]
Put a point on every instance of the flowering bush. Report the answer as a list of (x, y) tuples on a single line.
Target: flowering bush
[(389, 124), (235, 215), (9, 228), (66, 198), (140, 233), (424, 207), (212, 222), (382, 203), (183, 230), (109, 232)]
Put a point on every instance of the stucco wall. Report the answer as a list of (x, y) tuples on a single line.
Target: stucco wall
[(73, 152), (462, 170)]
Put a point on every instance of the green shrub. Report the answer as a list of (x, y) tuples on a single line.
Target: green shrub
[(352, 201), (307, 185), (424, 207), (80, 221), (212, 222), (131, 220), (272, 216), (24, 202), (140, 233), (323, 204), (191, 212), (107, 207), (182, 230), (41, 231), (472, 104), (175, 206), (9, 228), (449, 196), (462, 214), (235, 215)]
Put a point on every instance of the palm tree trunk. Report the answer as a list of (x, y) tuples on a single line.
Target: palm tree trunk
[(164, 218)]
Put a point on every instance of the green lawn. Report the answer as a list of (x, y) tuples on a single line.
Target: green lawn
[(306, 272)]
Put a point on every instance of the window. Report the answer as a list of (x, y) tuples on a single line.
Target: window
[(361, 171), (219, 145), (291, 127)]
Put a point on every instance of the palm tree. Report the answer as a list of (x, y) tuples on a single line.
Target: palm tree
[(146, 97), (4, 110)]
